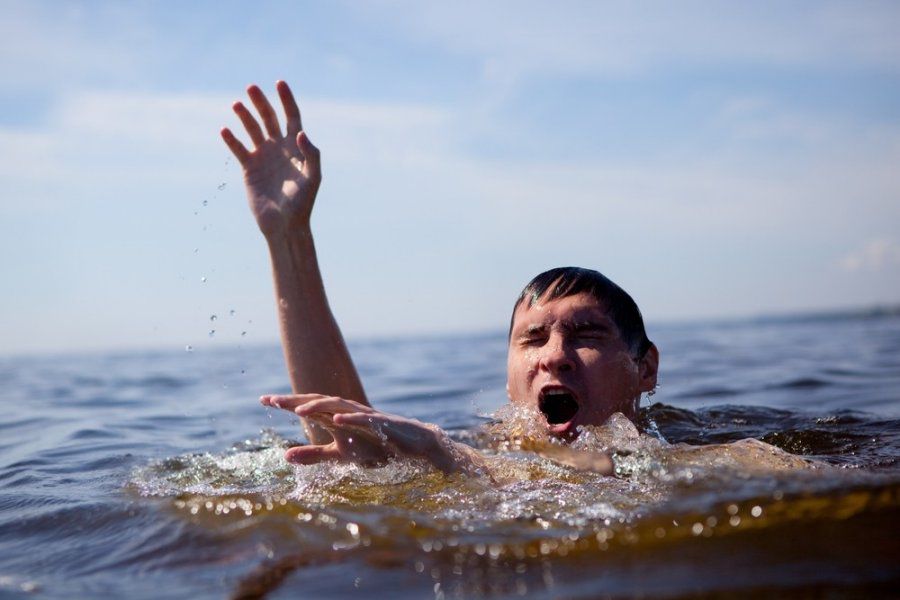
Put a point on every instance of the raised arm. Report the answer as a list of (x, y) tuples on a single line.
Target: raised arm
[(282, 174)]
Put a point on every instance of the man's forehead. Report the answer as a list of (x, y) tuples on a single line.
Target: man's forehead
[(580, 307)]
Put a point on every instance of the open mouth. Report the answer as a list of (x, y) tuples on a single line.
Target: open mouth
[(558, 405)]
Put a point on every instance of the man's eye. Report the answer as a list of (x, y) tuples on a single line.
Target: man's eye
[(593, 334)]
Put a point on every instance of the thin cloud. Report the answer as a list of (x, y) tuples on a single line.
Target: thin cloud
[(590, 37), (879, 254)]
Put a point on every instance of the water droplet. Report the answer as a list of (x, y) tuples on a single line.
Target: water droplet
[(231, 313), (243, 333), (188, 348), (222, 186), (196, 250), (212, 332), (205, 202), (213, 317), (203, 280)]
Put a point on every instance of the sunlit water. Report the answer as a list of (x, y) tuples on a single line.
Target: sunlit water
[(158, 474)]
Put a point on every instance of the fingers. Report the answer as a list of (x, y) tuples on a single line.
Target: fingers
[(308, 455), (307, 404), (235, 145), (287, 401), (265, 110), (291, 111), (330, 405), (249, 123)]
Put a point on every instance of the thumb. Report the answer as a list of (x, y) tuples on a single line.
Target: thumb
[(307, 455), (310, 153)]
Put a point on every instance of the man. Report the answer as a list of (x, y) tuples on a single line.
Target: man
[(578, 351)]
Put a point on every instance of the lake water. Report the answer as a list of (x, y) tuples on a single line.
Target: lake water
[(158, 474)]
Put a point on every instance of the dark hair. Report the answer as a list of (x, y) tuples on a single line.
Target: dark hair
[(569, 281)]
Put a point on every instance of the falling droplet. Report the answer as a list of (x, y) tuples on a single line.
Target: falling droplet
[(222, 186), (196, 250), (212, 332), (231, 313), (205, 202), (243, 333), (203, 280), (188, 348), (213, 317)]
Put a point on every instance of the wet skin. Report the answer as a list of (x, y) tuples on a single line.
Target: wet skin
[(569, 349)]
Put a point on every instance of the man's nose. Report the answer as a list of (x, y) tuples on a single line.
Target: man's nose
[(555, 357)]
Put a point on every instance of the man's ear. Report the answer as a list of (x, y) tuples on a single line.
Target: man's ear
[(648, 367)]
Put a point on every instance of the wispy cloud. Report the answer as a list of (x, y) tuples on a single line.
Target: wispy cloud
[(879, 254), (617, 38)]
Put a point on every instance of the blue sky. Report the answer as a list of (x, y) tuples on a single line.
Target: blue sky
[(716, 159)]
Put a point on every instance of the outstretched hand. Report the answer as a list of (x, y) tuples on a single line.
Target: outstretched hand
[(369, 437), (282, 172)]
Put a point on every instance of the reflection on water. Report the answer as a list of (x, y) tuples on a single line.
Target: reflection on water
[(120, 476)]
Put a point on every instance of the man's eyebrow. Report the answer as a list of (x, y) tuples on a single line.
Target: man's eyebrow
[(534, 328), (591, 325)]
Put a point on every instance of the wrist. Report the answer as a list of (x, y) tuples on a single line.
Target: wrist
[(289, 237)]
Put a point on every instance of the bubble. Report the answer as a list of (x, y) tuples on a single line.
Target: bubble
[(188, 348), (756, 511), (213, 317)]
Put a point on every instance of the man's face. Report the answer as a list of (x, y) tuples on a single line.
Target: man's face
[(568, 360)]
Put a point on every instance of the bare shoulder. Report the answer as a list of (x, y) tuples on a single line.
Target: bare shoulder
[(747, 454)]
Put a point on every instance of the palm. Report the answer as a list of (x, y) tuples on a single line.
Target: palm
[(279, 186)]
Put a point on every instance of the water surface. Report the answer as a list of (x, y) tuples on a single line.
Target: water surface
[(148, 474)]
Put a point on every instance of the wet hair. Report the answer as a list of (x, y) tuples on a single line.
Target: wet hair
[(570, 281)]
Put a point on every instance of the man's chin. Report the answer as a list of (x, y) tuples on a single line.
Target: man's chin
[(564, 431)]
